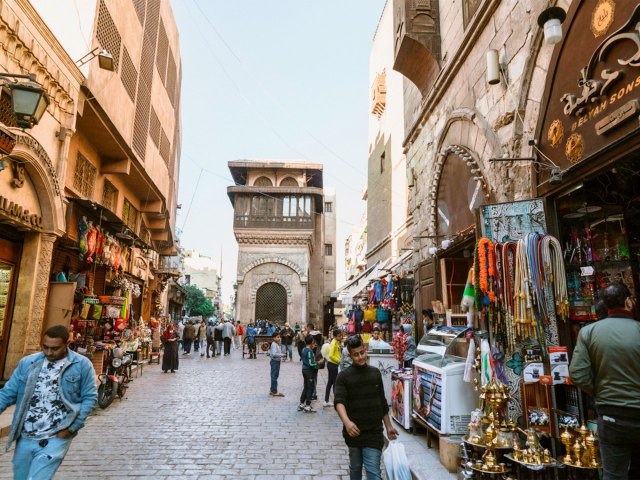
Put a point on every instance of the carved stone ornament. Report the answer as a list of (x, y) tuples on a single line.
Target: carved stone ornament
[(17, 170), (574, 149), (602, 17), (556, 133)]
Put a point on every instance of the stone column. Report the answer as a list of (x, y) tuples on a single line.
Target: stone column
[(305, 304), (41, 289)]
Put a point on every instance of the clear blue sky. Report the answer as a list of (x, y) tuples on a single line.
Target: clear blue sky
[(275, 75)]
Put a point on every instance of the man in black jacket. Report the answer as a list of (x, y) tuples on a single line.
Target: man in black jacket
[(363, 409)]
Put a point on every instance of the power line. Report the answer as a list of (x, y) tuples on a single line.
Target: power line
[(192, 197)]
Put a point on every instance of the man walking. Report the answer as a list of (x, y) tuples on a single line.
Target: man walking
[(180, 332), (363, 409), (287, 342), (54, 391), (606, 365), (211, 343), (188, 336), (228, 330), (217, 334)]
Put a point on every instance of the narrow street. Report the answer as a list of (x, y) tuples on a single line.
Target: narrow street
[(213, 419)]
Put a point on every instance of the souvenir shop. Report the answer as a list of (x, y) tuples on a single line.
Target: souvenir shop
[(538, 267), (99, 255)]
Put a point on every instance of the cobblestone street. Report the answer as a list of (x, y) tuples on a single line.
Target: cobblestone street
[(212, 419)]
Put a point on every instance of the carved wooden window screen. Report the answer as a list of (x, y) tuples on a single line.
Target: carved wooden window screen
[(109, 196), (107, 33), (140, 5), (130, 215), (145, 80), (129, 74), (165, 147), (84, 176), (271, 303), (154, 128), (144, 233), (162, 54), (171, 80), (6, 111)]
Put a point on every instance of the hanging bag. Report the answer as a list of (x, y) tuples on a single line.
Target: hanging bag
[(351, 327), (370, 314), (382, 315)]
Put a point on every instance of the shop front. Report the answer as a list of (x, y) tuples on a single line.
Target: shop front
[(30, 220)]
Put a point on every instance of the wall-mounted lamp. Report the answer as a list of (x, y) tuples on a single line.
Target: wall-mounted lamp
[(551, 20), (446, 244), (105, 59), (493, 67), (433, 250)]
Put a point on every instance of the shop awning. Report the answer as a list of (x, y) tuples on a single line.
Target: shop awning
[(336, 293), (401, 263), (378, 270)]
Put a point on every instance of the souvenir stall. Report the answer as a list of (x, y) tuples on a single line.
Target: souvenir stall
[(530, 418)]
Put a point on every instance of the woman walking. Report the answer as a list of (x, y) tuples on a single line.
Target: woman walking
[(170, 357), (333, 365), (202, 337)]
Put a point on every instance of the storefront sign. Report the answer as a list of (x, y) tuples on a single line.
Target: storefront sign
[(18, 212), (593, 89), (508, 222)]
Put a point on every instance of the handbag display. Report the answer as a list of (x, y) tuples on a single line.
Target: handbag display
[(382, 315), (370, 314)]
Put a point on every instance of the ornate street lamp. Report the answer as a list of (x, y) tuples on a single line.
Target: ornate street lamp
[(28, 99)]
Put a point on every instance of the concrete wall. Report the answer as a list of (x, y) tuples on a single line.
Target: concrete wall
[(329, 268)]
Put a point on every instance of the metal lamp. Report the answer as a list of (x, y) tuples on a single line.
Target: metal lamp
[(29, 102), (105, 61), (551, 21)]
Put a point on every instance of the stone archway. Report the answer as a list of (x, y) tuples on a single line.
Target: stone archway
[(271, 303)]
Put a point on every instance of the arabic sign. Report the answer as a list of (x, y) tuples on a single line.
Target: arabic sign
[(593, 91), (509, 222)]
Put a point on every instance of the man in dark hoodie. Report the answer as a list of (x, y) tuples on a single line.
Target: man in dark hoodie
[(363, 409), (188, 336)]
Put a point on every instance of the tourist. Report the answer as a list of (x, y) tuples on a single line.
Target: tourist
[(217, 334), (363, 409), (251, 340), (211, 343), (411, 351), (170, 357), (188, 336), (287, 342), (333, 364), (318, 340), (63, 393), (202, 337), (275, 354), (606, 366), (300, 336), (297, 328), (376, 343), (271, 329), (179, 331), (228, 331), (239, 334), (309, 365)]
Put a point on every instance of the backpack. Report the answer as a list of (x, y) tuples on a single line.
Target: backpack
[(240, 330)]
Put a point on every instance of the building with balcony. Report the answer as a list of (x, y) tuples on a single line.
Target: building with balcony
[(286, 241)]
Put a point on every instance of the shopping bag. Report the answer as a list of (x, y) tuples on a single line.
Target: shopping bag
[(395, 462)]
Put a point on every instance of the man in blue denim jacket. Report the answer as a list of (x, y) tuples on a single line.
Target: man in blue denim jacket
[(54, 391)]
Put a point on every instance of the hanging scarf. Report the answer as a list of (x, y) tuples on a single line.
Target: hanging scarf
[(169, 332)]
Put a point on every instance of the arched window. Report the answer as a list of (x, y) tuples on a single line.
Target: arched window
[(263, 182), (289, 182), (271, 303)]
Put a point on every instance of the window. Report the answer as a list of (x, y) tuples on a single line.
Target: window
[(84, 177), (328, 207), (109, 196), (263, 182), (289, 182), (469, 8), (328, 250), (382, 162), (130, 215)]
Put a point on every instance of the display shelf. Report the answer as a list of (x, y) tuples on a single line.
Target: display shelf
[(534, 466), (479, 470), (480, 445), (580, 467)]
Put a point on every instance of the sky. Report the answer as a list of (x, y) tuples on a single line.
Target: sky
[(283, 79)]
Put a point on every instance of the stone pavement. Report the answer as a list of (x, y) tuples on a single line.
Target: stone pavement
[(214, 419)]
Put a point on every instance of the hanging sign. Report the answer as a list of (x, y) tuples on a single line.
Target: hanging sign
[(508, 222)]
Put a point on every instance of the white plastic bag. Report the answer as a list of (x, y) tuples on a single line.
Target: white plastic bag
[(395, 462)]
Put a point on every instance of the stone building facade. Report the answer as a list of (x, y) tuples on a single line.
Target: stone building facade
[(279, 223)]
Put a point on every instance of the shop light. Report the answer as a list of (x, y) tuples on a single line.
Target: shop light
[(446, 244), (28, 99), (551, 21), (105, 59), (493, 67), (433, 250)]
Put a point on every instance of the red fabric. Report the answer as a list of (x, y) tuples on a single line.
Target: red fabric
[(169, 332)]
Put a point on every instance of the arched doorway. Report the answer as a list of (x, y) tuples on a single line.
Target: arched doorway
[(271, 303)]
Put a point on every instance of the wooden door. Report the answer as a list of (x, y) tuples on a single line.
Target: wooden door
[(9, 265)]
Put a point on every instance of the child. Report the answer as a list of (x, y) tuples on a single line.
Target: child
[(276, 357), (309, 369), (333, 364)]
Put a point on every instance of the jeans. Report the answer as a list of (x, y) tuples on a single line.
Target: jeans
[(220, 345), (619, 447), (187, 345), (275, 373), (227, 346), (211, 344), (314, 394), (287, 349), (370, 458), (33, 462), (333, 374), (307, 390)]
